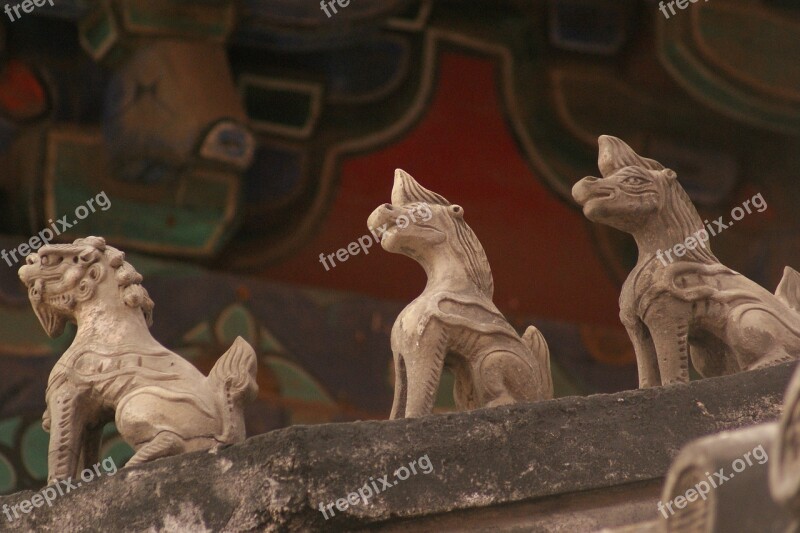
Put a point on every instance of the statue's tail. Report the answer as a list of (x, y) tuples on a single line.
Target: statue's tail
[(235, 375), (534, 340), (788, 290)]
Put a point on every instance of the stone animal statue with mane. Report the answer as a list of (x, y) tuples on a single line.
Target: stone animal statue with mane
[(453, 323), (116, 371), (694, 307)]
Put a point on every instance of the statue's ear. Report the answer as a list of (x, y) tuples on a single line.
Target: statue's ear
[(457, 210), (669, 174)]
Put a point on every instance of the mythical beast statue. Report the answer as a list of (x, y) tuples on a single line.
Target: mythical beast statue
[(692, 307), (115, 370), (453, 322)]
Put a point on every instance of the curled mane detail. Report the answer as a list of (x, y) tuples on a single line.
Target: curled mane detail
[(131, 291)]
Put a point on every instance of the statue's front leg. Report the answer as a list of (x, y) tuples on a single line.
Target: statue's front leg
[(670, 339), (67, 432), (423, 366), (646, 358), (400, 387)]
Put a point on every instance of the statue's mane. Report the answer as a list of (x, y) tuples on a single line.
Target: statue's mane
[(131, 291), (616, 156), (477, 264)]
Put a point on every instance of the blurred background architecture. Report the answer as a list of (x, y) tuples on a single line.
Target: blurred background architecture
[(238, 141)]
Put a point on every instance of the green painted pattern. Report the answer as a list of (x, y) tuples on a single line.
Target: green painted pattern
[(296, 383), (200, 334), (236, 321), (269, 344), (98, 34), (166, 225), (8, 429), (34, 446), (164, 16), (716, 92), (8, 479), (34, 450)]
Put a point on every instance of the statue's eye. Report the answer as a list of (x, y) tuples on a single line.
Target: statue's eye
[(634, 180)]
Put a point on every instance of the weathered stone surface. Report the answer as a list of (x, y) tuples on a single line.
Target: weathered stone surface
[(583, 511), (488, 459)]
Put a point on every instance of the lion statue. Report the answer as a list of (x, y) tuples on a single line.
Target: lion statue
[(453, 323), (693, 306), (115, 370)]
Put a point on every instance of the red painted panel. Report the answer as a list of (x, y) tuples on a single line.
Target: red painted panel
[(540, 251)]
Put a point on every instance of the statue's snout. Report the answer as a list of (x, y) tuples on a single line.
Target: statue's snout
[(27, 271), (383, 215), (582, 191)]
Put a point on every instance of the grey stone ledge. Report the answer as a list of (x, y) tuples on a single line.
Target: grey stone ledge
[(483, 459)]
